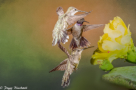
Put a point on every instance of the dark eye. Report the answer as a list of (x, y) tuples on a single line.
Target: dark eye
[(75, 9), (78, 50)]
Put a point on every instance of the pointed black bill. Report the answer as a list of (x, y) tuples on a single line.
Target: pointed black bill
[(86, 21), (88, 47), (85, 11), (81, 11)]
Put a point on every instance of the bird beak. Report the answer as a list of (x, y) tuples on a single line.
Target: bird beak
[(86, 21), (81, 11), (88, 47)]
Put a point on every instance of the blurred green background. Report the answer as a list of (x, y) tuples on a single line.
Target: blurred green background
[(26, 51)]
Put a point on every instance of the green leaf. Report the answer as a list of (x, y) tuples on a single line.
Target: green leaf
[(123, 76), (131, 57), (106, 65), (135, 49)]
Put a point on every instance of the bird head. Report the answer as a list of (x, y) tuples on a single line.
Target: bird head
[(78, 51), (73, 10), (81, 21)]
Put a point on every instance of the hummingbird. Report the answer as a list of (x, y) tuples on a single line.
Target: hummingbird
[(64, 19), (77, 31), (69, 66)]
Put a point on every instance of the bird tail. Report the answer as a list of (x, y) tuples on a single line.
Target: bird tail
[(83, 43), (67, 73), (58, 38), (73, 44), (66, 81)]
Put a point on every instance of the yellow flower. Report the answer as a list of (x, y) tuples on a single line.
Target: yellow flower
[(115, 43)]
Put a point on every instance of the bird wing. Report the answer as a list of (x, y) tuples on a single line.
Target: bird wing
[(60, 11), (69, 31), (74, 18), (59, 33), (61, 66), (90, 27)]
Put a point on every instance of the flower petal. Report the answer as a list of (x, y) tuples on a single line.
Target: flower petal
[(126, 39), (111, 45)]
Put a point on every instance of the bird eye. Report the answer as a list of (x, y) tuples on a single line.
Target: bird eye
[(75, 9), (78, 50)]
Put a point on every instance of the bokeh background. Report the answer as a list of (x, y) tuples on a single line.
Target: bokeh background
[(26, 51)]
